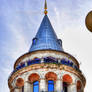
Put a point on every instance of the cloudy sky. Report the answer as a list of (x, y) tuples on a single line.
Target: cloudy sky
[(20, 20)]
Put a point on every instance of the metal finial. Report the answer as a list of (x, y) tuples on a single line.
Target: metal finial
[(45, 7)]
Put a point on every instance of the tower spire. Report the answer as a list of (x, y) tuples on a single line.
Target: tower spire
[(45, 8)]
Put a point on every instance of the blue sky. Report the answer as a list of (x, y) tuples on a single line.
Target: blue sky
[(20, 20)]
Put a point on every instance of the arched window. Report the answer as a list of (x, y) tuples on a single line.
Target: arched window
[(34, 40), (65, 87), (20, 84), (67, 80), (79, 85), (50, 85), (36, 86)]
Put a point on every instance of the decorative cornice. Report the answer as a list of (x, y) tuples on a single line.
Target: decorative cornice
[(45, 51), (46, 66)]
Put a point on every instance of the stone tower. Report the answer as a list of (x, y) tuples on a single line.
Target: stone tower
[(46, 67)]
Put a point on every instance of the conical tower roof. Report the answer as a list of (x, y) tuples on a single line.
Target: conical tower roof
[(46, 38)]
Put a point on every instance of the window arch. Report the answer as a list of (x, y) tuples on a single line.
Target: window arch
[(67, 80), (51, 76), (34, 80), (19, 82), (33, 77), (36, 86), (79, 85), (34, 40), (50, 85)]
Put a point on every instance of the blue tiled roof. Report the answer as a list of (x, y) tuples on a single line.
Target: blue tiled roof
[(46, 38)]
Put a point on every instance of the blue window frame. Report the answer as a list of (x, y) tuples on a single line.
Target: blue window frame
[(36, 86), (37, 60), (63, 61), (34, 40), (75, 67), (50, 85), (71, 64), (22, 65), (50, 60), (29, 62), (18, 67)]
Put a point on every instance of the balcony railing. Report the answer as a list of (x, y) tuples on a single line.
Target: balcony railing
[(46, 60)]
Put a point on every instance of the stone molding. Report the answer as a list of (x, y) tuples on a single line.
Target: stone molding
[(39, 54), (46, 67)]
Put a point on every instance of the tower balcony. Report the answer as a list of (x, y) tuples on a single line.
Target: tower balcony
[(47, 60)]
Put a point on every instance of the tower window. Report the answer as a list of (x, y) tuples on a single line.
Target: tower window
[(36, 86), (65, 86), (29, 62), (22, 65), (50, 85), (79, 86), (67, 80), (50, 60), (60, 41), (34, 40)]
